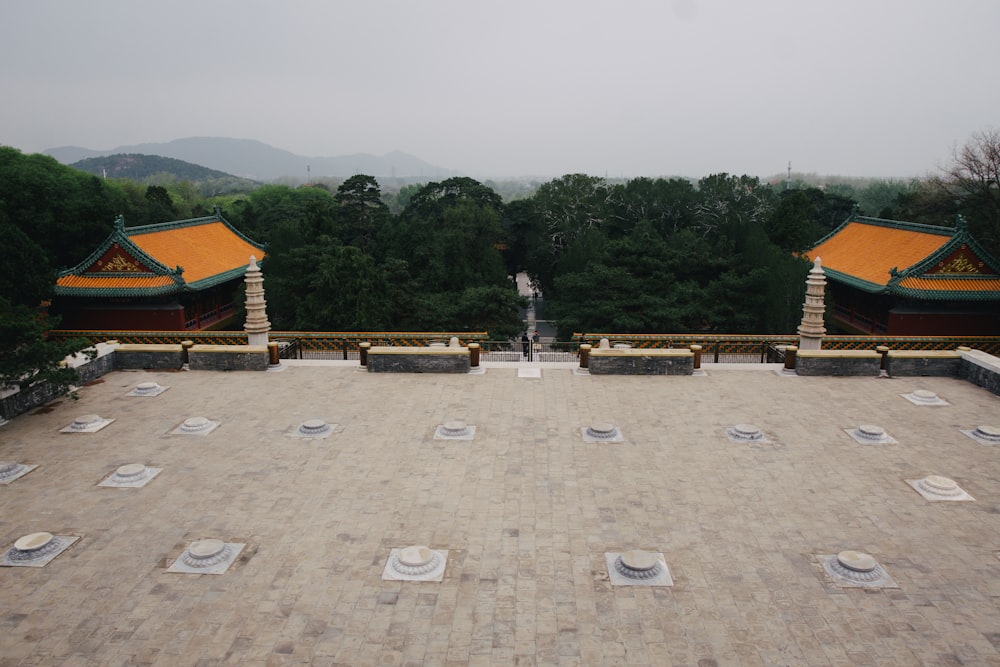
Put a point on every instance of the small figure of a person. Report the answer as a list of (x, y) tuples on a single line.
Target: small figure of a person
[(525, 345), (536, 343)]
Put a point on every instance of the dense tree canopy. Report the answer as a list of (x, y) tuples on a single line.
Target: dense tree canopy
[(642, 255)]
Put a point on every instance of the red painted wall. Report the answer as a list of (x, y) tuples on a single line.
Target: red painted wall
[(167, 318)]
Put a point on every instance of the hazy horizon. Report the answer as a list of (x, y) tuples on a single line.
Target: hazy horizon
[(646, 88)]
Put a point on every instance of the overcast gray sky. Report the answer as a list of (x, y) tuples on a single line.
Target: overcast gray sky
[(539, 87)]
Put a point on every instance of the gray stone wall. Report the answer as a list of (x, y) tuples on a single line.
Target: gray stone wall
[(417, 360), (827, 362), (152, 357), (981, 369), (635, 362), (900, 364), (87, 370), (228, 358)]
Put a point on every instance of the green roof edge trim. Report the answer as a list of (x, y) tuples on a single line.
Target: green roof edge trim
[(119, 236), (961, 236)]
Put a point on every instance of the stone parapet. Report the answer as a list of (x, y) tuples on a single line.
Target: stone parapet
[(980, 369), (903, 363), (418, 360), (159, 357), (630, 361), (838, 362), (227, 358)]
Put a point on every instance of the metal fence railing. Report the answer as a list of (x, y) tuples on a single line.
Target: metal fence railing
[(716, 348)]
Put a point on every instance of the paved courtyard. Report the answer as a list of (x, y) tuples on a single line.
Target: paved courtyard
[(526, 510)]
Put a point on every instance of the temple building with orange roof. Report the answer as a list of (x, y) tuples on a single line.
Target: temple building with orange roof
[(888, 277), (173, 276)]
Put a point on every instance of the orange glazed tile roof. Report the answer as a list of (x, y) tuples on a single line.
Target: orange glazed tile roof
[(915, 261), (144, 261), (868, 252), (203, 250)]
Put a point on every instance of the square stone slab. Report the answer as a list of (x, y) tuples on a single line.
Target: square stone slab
[(921, 397), (529, 372), (13, 471), (13, 557), (936, 488)]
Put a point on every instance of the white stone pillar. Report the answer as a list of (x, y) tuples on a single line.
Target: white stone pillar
[(256, 325), (811, 330)]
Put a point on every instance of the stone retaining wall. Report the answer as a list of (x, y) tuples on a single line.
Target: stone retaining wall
[(228, 358), (418, 360), (904, 363), (980, 369), (152, 357), (618, 361), (838, 362)]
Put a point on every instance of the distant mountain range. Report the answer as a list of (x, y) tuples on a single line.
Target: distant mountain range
[(258, 161)]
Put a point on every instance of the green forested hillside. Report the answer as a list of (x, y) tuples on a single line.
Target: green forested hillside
[(159, 170)]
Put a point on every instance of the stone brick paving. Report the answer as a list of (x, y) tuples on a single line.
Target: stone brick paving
[(526, 510)]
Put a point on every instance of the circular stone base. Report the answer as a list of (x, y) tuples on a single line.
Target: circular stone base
[(205, 553), (33, 542), (85, 421), (196, 424), (856, 561), (638, 564), (939, 486), (871, 432), (991, 433), (415, 560), (147, 388), (313, 427), (455, 427), (746, 432), (130, 472), (601, 430), (857, 568)]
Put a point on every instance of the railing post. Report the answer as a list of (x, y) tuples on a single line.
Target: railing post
[(473, 355), (585, 355), (186, 346), (272, 353), (697, 356), (883, 364), (790, 352), (364, 347)]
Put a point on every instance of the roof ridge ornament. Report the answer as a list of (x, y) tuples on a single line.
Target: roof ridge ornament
[(960, 224), (120, 222)]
